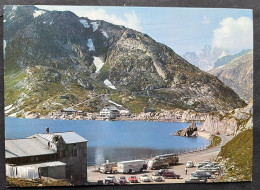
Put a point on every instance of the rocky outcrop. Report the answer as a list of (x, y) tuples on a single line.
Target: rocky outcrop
[(190, 131), (213, 123), (232, 122)]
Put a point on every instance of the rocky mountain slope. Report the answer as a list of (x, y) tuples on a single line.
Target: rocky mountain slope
[(55, 60), (238, 75), (206, 57), (226, 59)]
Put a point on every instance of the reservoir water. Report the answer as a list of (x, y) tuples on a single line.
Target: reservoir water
[(113, 140)]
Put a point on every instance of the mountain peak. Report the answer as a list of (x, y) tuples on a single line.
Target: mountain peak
[(206, 57)]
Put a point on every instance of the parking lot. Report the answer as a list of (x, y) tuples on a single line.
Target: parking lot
[(196, 157)]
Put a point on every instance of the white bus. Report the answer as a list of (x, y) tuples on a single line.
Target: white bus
[(131, 166), (163, 161)]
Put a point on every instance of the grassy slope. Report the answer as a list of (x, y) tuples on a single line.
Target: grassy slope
[(17, 182), (216, 140), (239, 157)]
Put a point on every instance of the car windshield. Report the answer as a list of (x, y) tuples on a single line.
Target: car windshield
[(110, 177), (122, 177)]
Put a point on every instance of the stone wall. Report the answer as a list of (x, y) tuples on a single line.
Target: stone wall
[(76, 160)]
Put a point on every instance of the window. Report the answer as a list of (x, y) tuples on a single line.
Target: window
[(74, 152)]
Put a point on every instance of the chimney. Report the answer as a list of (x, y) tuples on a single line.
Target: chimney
[(47, 130)]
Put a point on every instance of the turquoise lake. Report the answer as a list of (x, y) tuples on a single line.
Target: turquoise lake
[(113, 140)]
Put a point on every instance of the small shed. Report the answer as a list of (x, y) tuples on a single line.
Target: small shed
[(54, 169)]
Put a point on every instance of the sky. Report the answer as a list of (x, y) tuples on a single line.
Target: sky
[(182, 29)]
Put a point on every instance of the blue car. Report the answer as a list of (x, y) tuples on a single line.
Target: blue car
[(200, 173)]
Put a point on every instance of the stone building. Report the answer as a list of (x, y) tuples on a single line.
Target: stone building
[(109, 112), (56, 155)]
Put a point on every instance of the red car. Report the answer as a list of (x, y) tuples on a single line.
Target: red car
[(133, 179), (170, 174)]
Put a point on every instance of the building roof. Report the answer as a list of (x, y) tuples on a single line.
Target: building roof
[(111, 108), (44, 164), (25, 147), (68, 137)]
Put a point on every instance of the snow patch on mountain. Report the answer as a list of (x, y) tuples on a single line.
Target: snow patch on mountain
[(115, 103), (8, 107), (90, 45), (14, 8), (98, 63), (104, 33), (38, 13), (109, 84), (95, 26), (84, 23)]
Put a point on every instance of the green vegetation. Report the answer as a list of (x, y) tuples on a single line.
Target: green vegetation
[(18, 182), (216, 140), (238, 157), (104, 71), (137, 105)]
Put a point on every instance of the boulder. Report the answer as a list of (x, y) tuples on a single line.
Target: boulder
[(190, 131)]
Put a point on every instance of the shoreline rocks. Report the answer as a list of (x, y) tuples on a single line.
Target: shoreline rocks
[(191, 131)]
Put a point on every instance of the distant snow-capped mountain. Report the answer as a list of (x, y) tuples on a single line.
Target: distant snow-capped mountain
[(206, 57)]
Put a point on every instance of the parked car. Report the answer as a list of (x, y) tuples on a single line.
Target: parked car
[(170, 174), (122, 180), (217, 133), (133, 179), (209, 169), (227, 134), (108, 167), (160, 172), (200, 173), (201, 164), (157, 173), (144, 178), (110, 179), (156, 177), (196, 180), (189, 164)]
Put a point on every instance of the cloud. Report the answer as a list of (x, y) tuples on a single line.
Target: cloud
[(129, 19), (205, 20), (234, 35)]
